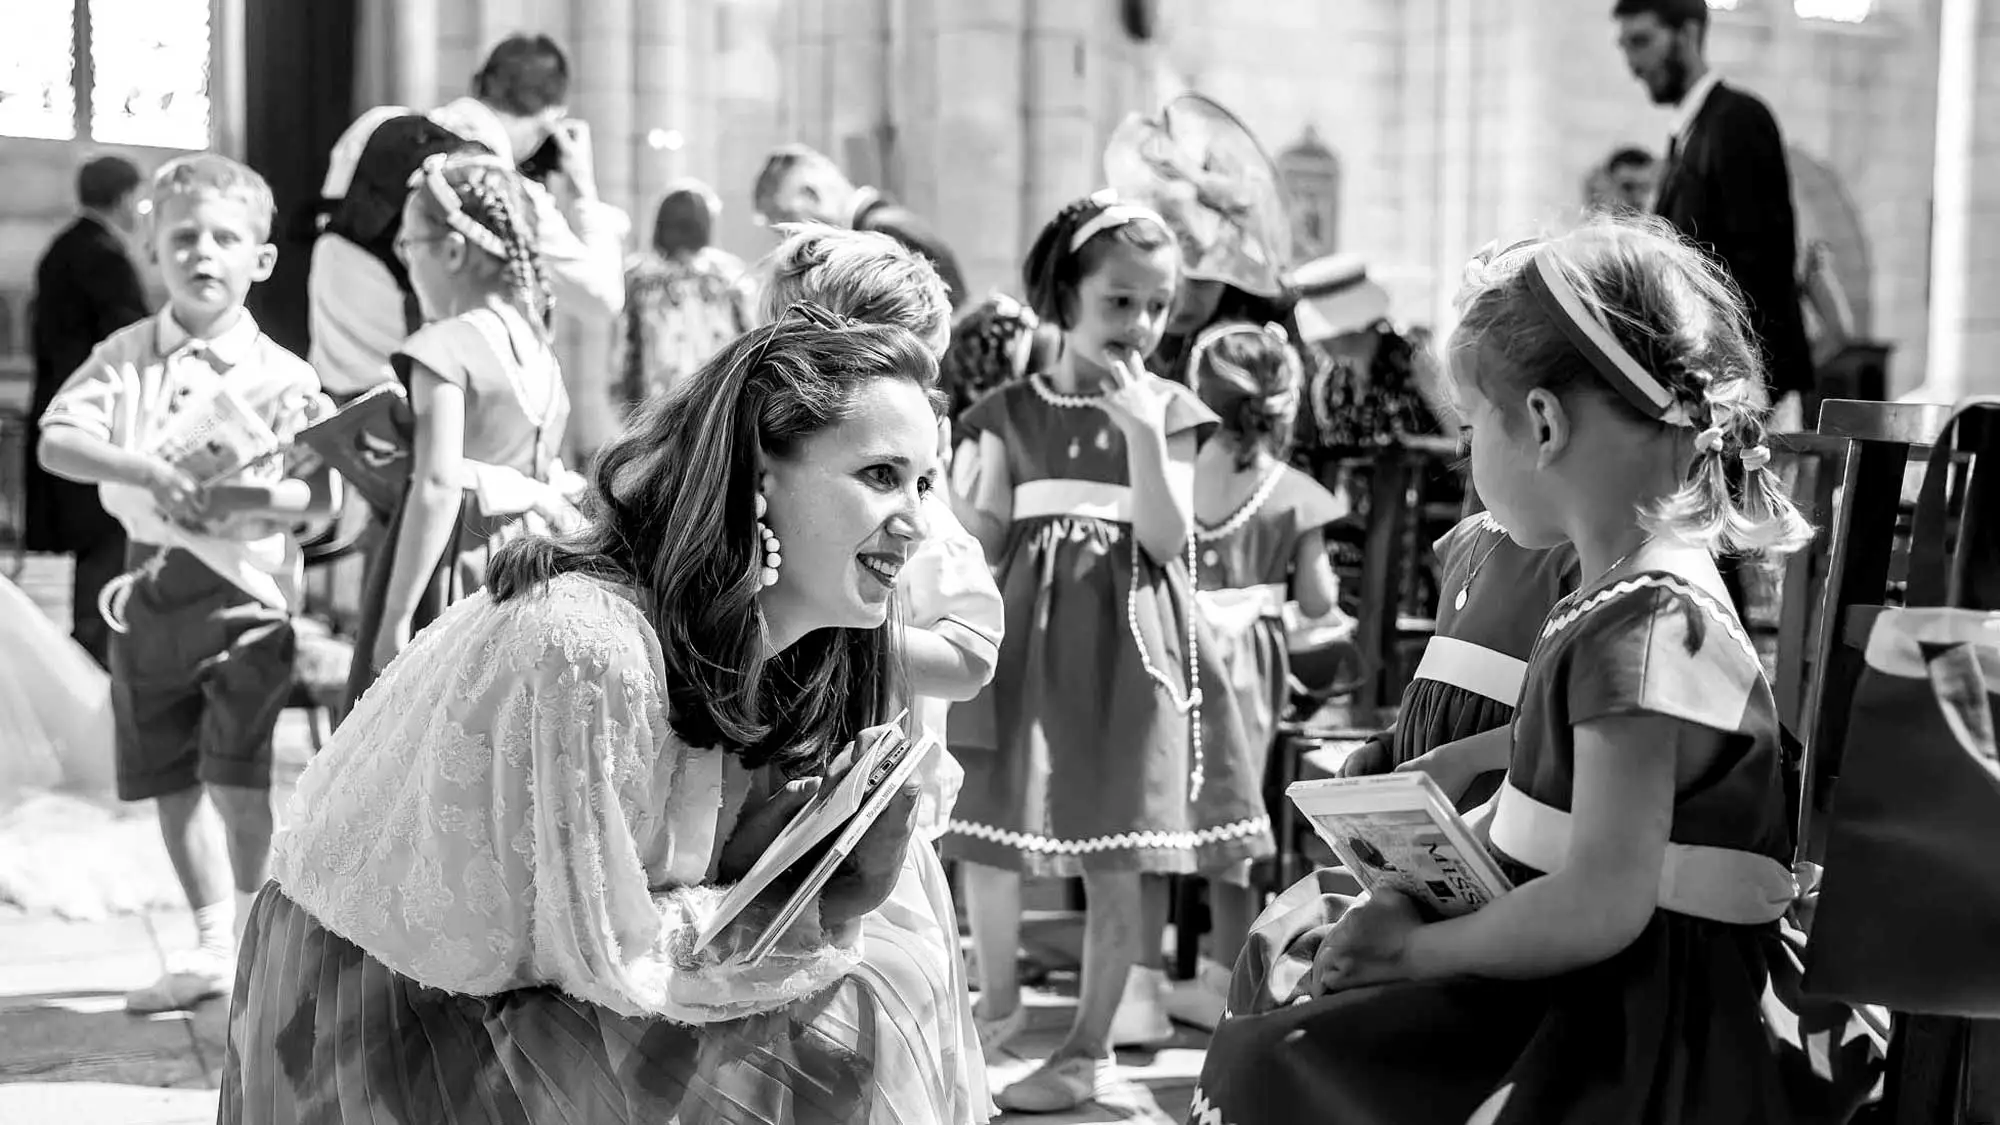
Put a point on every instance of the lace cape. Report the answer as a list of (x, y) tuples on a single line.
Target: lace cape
[(507, 807)]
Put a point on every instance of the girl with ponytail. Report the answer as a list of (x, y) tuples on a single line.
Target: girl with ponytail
[(484, 387), (1259, 529)]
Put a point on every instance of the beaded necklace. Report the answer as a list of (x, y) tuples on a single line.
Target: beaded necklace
[(1186, 702)]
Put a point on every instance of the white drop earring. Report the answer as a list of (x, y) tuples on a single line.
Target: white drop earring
[(773, 559)]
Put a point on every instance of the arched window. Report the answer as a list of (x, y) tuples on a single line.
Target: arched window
[(127, 72), (1311, 174)]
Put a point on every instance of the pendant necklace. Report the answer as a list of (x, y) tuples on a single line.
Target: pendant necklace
[(1465, 588)]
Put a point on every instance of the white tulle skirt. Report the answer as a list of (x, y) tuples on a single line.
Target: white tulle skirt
[(55, 707)]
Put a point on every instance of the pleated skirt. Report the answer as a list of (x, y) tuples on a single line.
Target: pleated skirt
[(322, 1033)]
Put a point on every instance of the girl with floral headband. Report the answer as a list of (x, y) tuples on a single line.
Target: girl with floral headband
[(1081, 754), (1616, 404), (1260, 543), (483, 385)]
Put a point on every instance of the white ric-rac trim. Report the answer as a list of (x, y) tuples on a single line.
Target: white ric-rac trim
[(1123, 841), (1557, 622)]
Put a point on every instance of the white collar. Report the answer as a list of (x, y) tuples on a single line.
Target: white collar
[(474, 120), (1691, 103), (231, 346)]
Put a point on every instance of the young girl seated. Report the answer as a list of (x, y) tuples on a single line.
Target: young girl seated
[(1494, 596), (1616, 403), (1260, 536)]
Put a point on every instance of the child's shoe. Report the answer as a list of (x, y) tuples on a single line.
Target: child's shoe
[(1202, 1001), (1141, 1020), (1064, 1083), (996, 1032), (190, 979)]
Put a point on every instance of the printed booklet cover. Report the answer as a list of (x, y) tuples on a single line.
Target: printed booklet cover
[(215, 440), (1398, 830)]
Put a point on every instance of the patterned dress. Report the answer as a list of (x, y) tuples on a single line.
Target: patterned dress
[(1672, 1029), (1078, 754), (678, 313), (1494, 596), (1245, 563), (485, 900), (516, 409)]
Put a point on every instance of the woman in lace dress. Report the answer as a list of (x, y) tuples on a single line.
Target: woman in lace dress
[(484, 907)]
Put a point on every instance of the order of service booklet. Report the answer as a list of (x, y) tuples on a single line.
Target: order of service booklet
[(216, 439), (850, 801), (1398, 830)]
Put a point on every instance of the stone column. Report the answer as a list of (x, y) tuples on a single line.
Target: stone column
[(1957, 332), (984, 112), (601, 89), (415, 38), (1064, 159)]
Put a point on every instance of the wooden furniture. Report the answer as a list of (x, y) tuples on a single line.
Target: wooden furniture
[(1940, 1069), (1872, 443)]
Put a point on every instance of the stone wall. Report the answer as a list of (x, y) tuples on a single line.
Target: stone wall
[(1453, 121), (1459, 121)]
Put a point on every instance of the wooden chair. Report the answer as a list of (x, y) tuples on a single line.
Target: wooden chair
[(1871, 443), (1935, 1063)]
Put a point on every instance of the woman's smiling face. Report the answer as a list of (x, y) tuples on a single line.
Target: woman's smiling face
[(847, 509)]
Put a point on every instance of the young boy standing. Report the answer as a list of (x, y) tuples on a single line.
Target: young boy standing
[(202, 664)]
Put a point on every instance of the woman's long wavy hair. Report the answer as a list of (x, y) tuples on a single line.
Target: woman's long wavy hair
[(673, 511)]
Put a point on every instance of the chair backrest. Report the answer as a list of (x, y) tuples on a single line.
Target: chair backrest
[(1858, 562), (1941, 1069)]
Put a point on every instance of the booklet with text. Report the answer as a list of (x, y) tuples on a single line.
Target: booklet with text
[(215, 439), (848, 803), (1398, 830)]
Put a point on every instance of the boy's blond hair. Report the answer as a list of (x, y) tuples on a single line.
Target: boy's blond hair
[(860, 274), (209, 173)]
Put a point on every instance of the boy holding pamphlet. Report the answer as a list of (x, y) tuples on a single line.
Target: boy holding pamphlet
[(184, 422)]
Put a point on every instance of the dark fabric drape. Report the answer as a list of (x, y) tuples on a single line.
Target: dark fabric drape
[(299, 90)]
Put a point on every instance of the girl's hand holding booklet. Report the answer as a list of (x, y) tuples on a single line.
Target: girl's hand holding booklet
[(1398, 830), (859, 787)]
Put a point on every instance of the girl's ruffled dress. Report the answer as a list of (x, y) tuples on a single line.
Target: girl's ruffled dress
[(1079, 754), (1673, 1029), (1245, 565)]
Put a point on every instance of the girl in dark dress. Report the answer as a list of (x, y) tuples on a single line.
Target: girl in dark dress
[(1616, 403), (1079, 756), (1260, 537), (1494, 596)]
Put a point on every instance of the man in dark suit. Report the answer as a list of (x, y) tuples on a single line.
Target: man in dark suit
[(1724, 184), (802, 185), (85, 289)]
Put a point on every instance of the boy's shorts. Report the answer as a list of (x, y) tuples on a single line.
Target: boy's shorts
[(197, 682)]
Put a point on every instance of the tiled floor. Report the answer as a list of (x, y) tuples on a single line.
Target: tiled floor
[(70, 1053)]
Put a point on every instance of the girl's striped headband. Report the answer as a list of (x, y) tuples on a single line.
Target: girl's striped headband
[(1113, 216), (1552, 290), (430, 176)]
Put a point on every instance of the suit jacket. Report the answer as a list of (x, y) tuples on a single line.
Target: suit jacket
[(903, 225), (85, 289), (1728, 190)]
